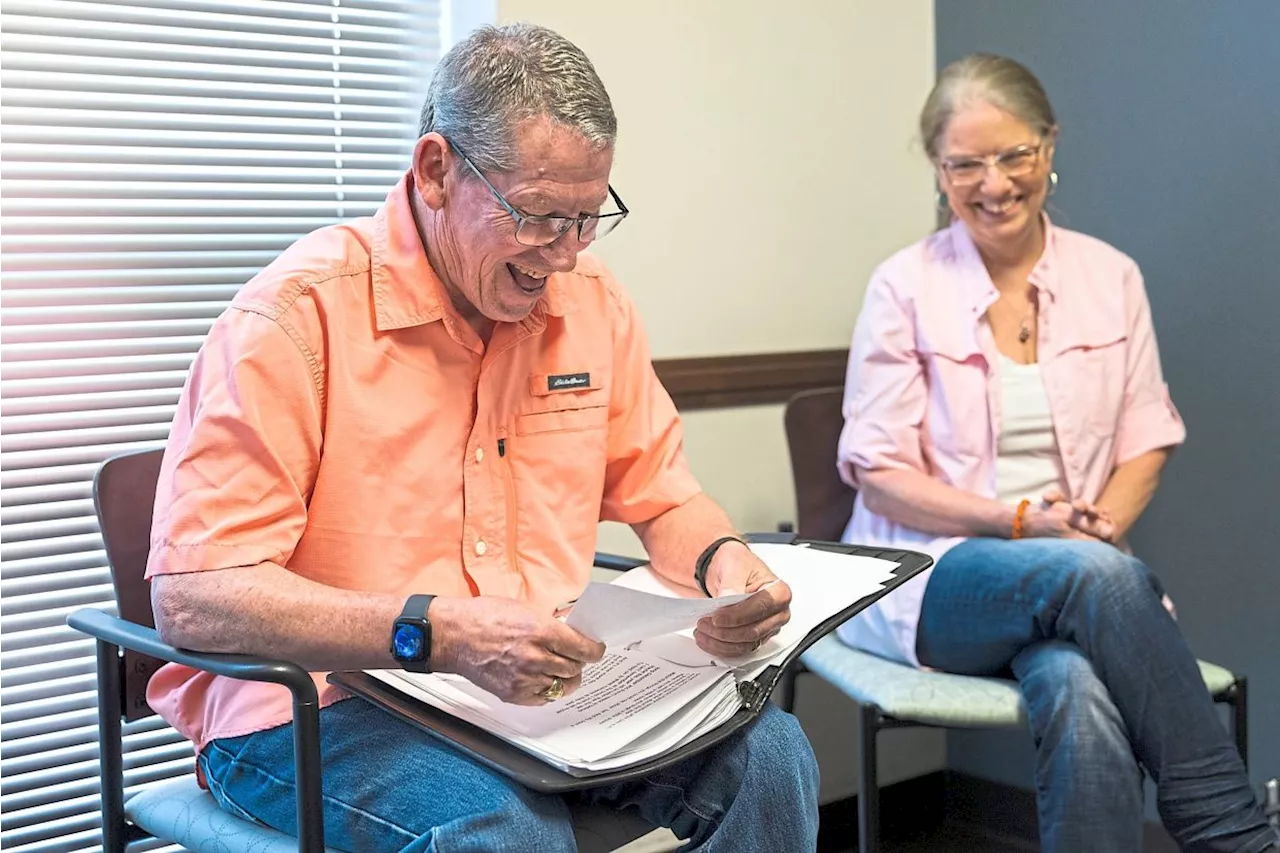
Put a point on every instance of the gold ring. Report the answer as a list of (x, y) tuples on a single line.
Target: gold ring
[(555, 691)]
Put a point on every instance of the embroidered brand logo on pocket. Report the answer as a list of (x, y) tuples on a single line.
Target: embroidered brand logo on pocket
[(568, 380)]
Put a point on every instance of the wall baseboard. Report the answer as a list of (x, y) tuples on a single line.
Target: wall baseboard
[(725, 381), (948, 802)]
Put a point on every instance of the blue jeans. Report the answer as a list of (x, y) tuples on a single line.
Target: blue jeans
[(388, 786), (1110, 685)]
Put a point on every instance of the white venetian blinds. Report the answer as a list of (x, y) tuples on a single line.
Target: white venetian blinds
[(154, 154)]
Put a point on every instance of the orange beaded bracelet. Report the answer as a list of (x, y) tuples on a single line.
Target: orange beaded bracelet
[(1018, 518)]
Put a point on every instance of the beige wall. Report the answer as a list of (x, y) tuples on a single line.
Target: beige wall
[(767, 152)]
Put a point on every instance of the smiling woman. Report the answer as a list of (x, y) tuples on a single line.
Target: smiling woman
[(1006, 412)]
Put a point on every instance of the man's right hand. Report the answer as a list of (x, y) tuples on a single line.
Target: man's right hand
[(1057, 517), (507, 648)]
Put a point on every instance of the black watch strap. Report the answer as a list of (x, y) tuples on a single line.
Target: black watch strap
[(415, 612), (416, 606), (704, 561)]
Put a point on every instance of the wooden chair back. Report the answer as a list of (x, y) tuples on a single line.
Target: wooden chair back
[(824, 502)]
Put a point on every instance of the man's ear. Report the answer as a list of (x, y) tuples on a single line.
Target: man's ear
[(432, 159)]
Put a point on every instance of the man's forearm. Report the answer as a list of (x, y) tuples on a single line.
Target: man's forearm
[(267, 610), (675, 539)]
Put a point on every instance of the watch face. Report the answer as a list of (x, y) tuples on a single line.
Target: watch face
[(406, 642)]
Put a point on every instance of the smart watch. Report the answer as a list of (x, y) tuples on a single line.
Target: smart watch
[(411, 635)]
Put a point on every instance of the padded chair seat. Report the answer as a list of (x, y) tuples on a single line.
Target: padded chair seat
[(937, 698), (180, 811)]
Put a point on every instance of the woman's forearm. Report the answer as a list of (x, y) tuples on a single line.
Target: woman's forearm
[(1130, 489), (918, 500)]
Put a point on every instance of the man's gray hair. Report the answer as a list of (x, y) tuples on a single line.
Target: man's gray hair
[(499, 77)]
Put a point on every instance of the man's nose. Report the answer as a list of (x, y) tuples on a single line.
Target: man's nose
[(562, 255)]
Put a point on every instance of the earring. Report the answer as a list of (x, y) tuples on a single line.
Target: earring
[(942, 202), (1053, 183)]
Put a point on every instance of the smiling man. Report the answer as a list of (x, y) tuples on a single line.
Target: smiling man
[(394, 449)]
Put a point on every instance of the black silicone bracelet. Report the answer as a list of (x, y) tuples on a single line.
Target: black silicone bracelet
[(704, 561)]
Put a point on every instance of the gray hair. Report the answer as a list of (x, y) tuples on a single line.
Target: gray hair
[(996, 80), (499, 77)]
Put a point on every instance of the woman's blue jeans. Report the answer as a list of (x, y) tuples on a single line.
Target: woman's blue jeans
[(1110, 685), (388, 786)]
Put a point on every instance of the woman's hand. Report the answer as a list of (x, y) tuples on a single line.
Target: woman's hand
[(1056, 517)]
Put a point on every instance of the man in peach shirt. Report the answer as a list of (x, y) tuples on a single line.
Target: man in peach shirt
[(417, 420)]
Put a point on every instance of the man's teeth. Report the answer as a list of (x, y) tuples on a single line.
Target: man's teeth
[(530, 273)]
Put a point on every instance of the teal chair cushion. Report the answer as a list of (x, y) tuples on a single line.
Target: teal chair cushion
[(180, 811), (1216, 679), (936, 698)]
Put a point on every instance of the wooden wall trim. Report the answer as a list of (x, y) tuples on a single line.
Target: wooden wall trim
[(726, 381)]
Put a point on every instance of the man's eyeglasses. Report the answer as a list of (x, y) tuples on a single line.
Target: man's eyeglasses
[(535, 230), (1016, 163)]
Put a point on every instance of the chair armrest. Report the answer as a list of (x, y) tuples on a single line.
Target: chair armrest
[(616, 562), (120, 632)]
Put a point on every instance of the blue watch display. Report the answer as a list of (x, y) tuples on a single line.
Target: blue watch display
[(411, 635)]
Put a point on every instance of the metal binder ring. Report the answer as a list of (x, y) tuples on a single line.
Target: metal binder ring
[(555, 691)]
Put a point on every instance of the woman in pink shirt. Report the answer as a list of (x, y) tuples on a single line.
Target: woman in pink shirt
[(1005, 411)]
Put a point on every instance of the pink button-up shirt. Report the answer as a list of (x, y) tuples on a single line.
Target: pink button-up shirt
[(923, 388)]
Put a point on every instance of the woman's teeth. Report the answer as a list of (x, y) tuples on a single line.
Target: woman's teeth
[(1000, 207)]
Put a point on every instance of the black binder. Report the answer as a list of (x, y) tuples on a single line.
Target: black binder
[(532, 772)]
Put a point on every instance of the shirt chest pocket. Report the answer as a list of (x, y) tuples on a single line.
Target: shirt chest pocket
[(957, 418), (1097, 370), (565, 401)]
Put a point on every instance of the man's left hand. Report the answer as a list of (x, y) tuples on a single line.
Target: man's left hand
[(739, 629)]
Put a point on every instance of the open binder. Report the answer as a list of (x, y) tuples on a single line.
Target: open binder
[(533, 772)]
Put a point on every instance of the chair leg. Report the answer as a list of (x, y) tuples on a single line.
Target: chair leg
[(787, 699), (868, 785), (306, 756), (1239, 693), (110, 749)]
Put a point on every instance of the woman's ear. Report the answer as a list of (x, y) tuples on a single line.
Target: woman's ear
[(1050, 143)]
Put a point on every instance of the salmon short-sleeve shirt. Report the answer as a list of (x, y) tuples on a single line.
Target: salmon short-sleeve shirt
[(344, 422)]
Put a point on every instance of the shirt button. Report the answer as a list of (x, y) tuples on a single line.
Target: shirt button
[(481, 547), (479, 454)]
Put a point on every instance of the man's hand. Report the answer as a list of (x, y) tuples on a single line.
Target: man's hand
[(741, 628), (1060, 518), (507, 648)]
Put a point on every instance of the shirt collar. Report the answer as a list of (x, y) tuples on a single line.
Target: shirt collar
[(406, 290), (979, 290)]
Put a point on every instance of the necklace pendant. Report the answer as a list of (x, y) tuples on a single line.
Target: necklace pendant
[(1024, 334)]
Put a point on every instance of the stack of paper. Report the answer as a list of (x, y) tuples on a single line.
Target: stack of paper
[(654, 690)]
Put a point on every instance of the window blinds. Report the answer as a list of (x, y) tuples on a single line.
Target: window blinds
[(154, 155)]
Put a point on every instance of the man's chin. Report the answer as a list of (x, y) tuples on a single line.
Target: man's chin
[(513, 310)]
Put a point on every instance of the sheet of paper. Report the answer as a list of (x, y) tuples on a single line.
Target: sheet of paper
[(622, 698), (822, 584), (618, 616)]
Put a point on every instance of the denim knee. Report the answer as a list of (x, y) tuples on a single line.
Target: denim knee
[(1066, 693), (780, 759), (535, 828), (1103, 570)]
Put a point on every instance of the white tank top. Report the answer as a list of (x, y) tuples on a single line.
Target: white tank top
[(1028, 462)]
